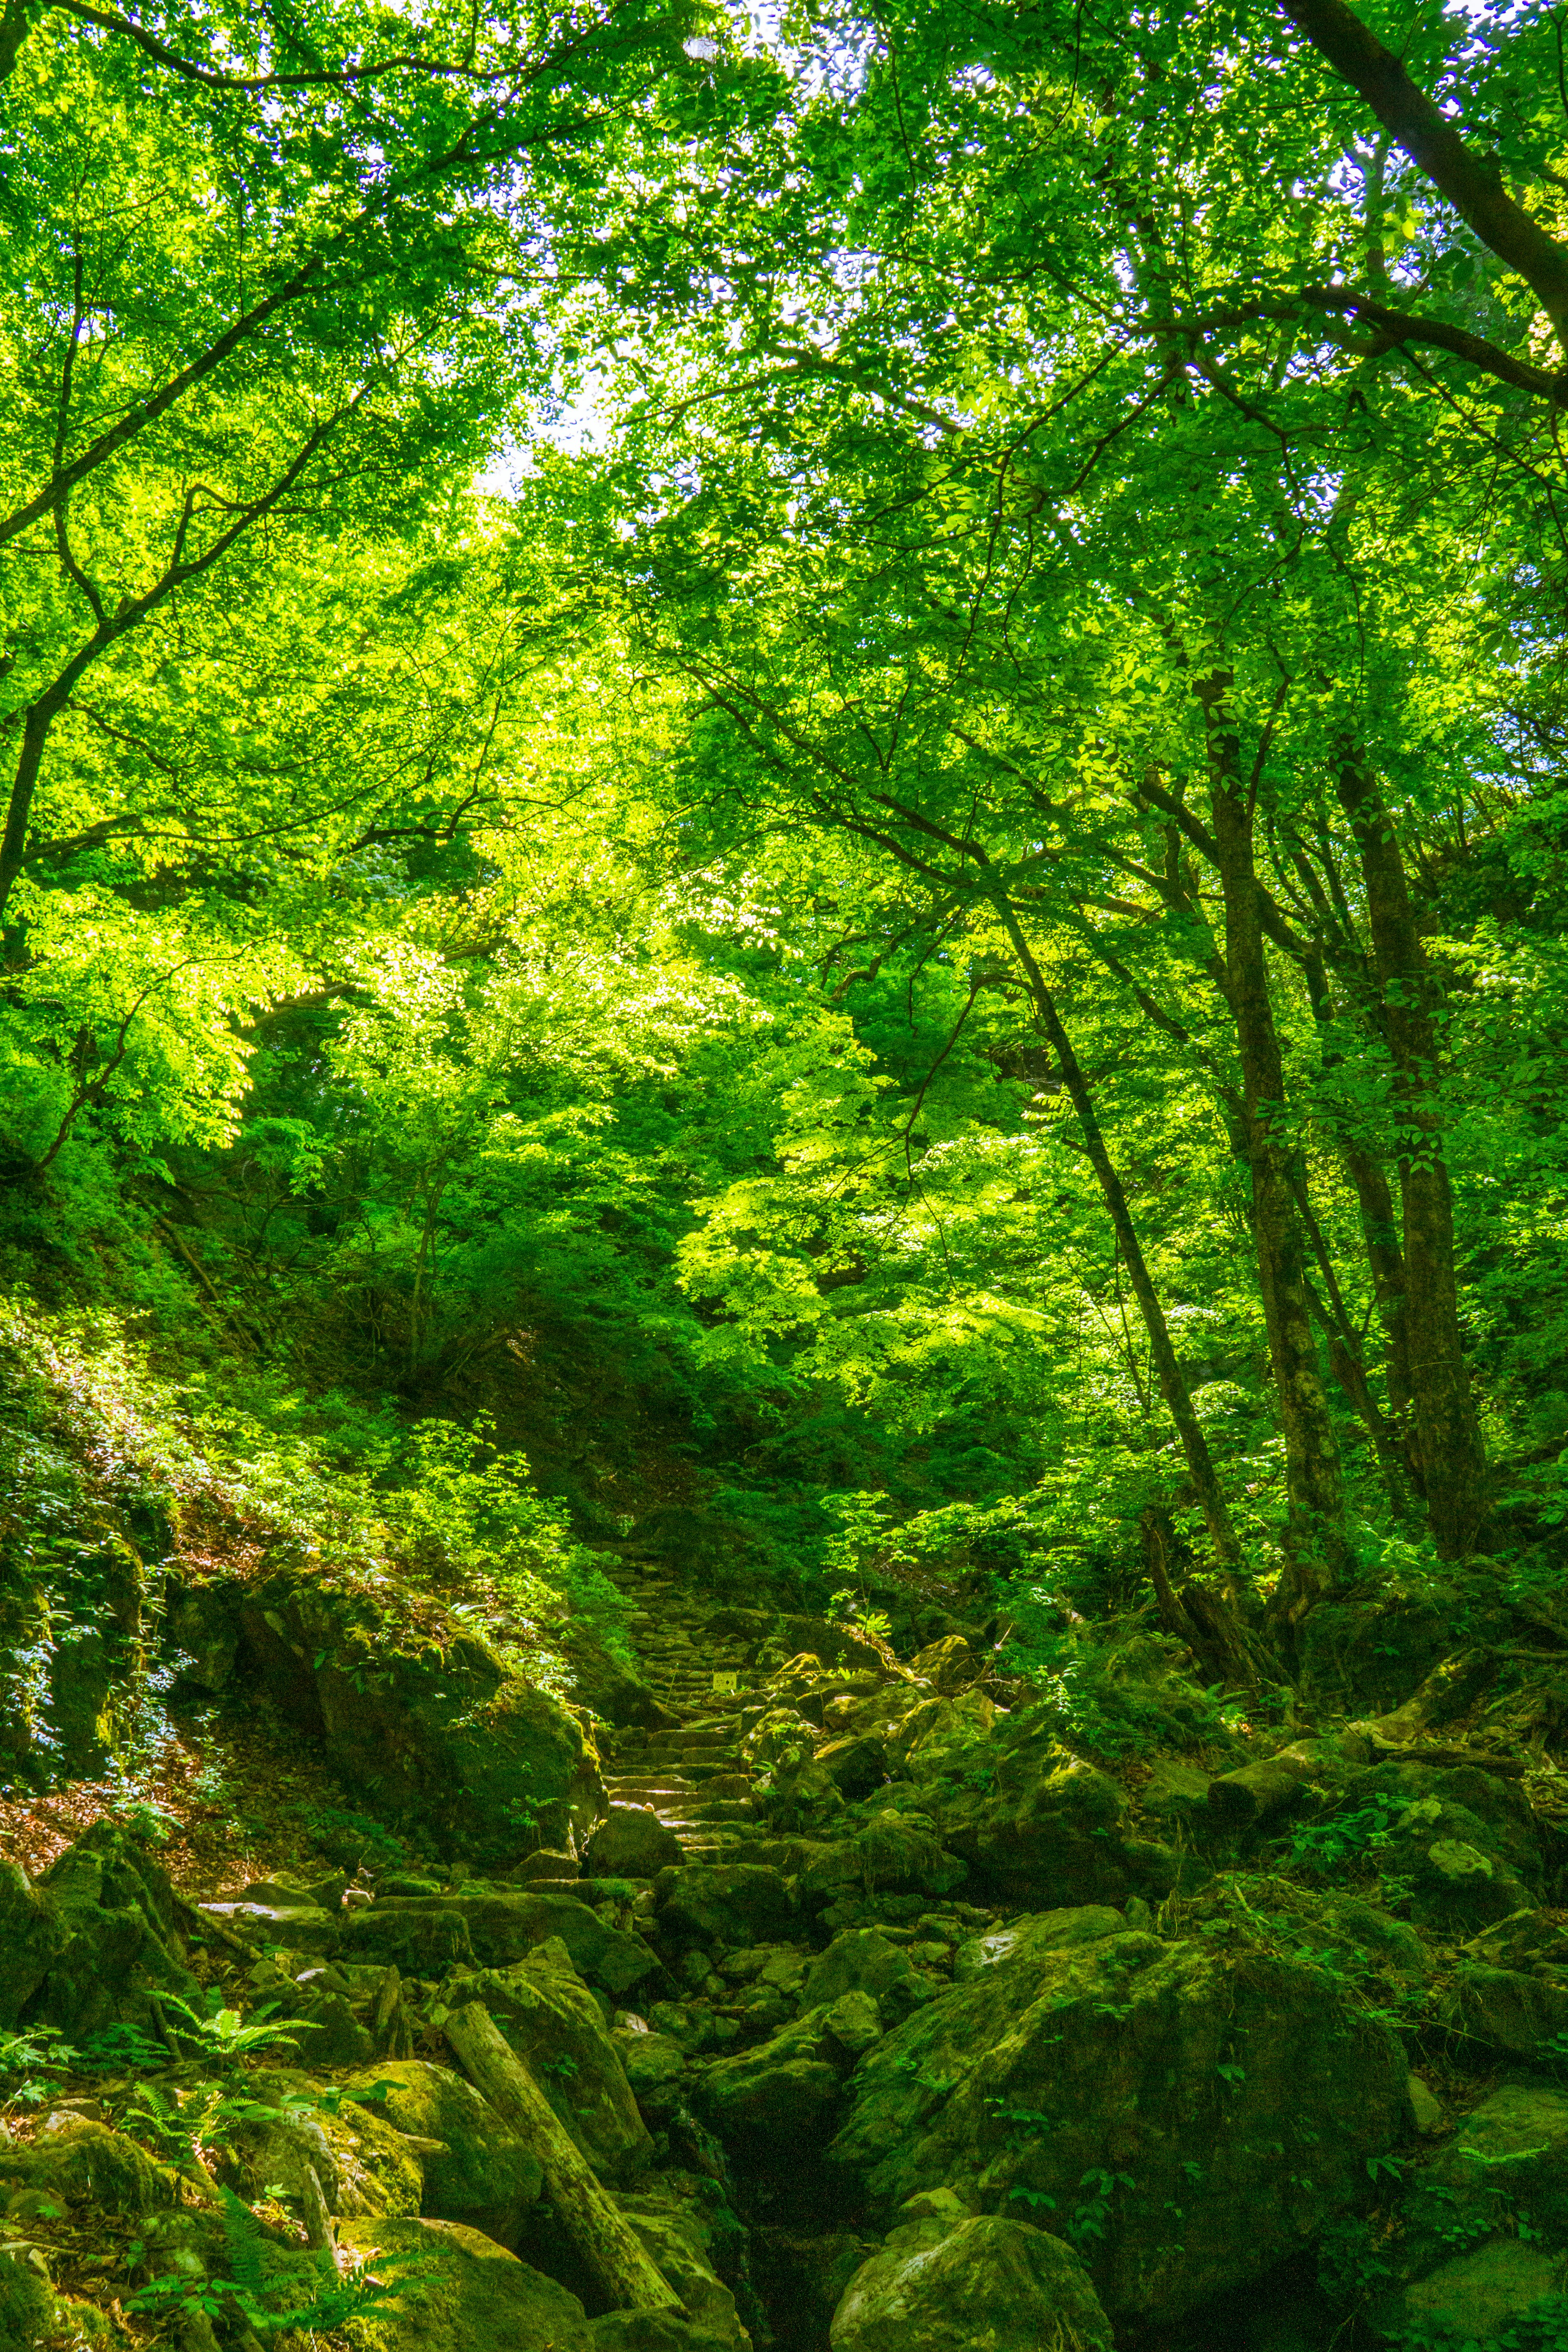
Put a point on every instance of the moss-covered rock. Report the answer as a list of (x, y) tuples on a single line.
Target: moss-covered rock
[(483, 2176), (75, 2161), (434, 1733), (775, 2105), (1507, 2010), (114, 1942), (473, 2295), (894, 1852), (1137, 2086), (1041, 1827), (970, 2283), (553, 2022), (496, 1930), (723, 1904)]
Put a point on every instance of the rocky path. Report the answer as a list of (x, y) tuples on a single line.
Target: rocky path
[(690, 1774)]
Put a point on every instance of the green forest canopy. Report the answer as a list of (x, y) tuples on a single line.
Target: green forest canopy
[(942, 938)]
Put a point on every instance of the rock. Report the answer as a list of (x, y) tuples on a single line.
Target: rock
[(1044, 1931), (1514, 2147), (333, 2034), (780, 1740), (1511, 2011), (1470, 2299), (1462, 1880), (612, 1690), (948, 1666), (420, 1937), (1366, 1929), (776, 2105), (297, 1926), (33, 1935), (201, 1627), (855, 1767), (652, 2061), (1427, 2113), (1051, 1829), (1274, 1785), (1369, 1654), (360, 2160), (895, 1853), (556, 2027), (29, 2312), (474, 2294), (805, 1803), (484, 2176), (74, 2161), (543, 1863), (859, 1960), (115, 1939), (854, 2022), (1176, 1792), (722, 1903), (502, 1929), (439, 1736), (954, 2285), (633, 1842), (1122, 2078), (676, 2237)]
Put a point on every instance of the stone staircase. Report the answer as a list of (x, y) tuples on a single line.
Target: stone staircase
[(692, 1775)]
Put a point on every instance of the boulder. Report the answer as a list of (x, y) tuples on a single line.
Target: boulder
[(1116, 2082), (855, 1767), (949, 1666), (74, 2161), (472, 2292), (633, 1842), (601, 1682), (553, 2022), (1514, 2147), (970, 2283), (862, 1961), (776, 2105), (780, 1740), (33, 1936), (652, 2061), (896, 1852), (1470, 2299), (1508, 2009), (805, 1803), (496, 1929), (419, 1936), (112, 1942), (1044, 1931), (723, 1904), (1047, 1828), (484, 2175), (678, 2239), (432, 1733), (1369, 1654)]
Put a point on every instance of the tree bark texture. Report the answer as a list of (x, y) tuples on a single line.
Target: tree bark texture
[(1213, 1618), (1450, 1454), (1317, 1550)]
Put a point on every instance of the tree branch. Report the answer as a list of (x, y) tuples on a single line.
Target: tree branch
[(1472, 184)]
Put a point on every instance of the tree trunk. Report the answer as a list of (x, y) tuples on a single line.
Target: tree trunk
[(609, 2248), (1451, 1457), (1317, 1548), (1380, 1239), (1224, 1628)]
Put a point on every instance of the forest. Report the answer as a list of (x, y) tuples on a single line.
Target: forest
[(784, 1176)]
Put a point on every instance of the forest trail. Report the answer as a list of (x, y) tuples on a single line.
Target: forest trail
[(690, 1772)]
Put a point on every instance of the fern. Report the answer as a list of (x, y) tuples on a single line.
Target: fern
[(245, 2239)]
